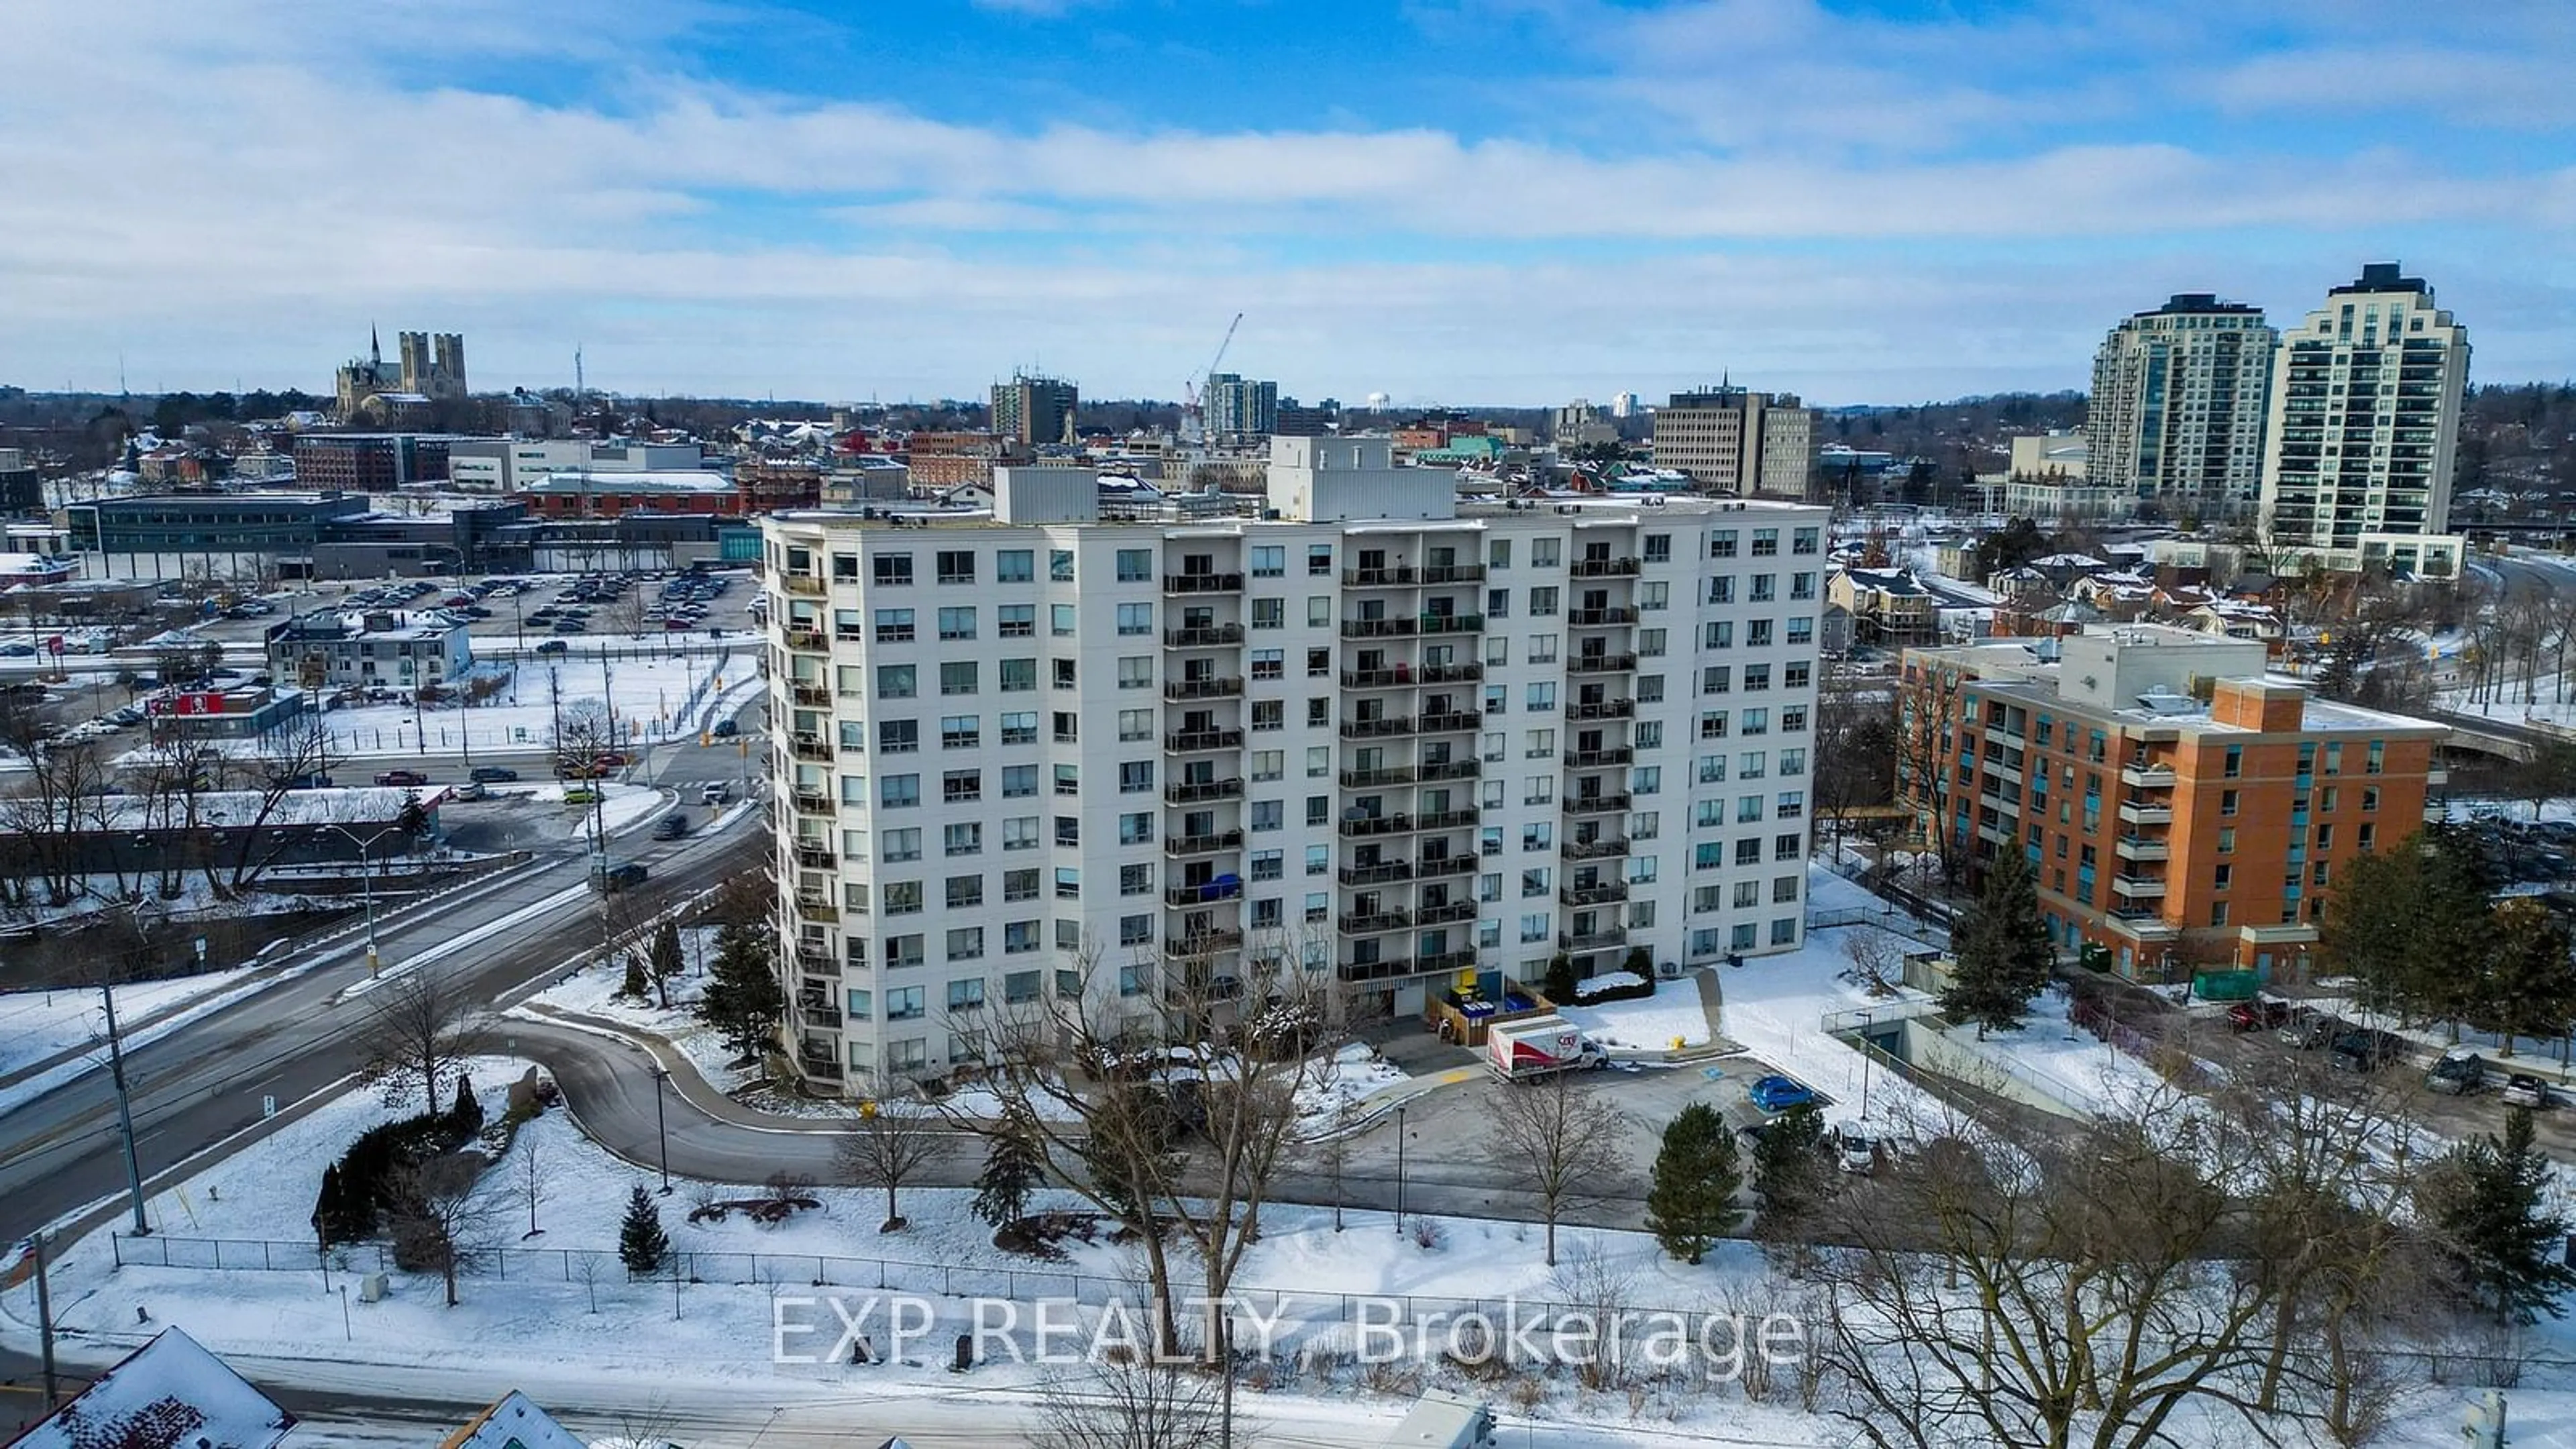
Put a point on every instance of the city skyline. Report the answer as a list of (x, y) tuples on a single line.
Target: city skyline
[(1477, 202)]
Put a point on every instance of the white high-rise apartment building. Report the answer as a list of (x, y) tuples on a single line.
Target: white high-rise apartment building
[(2176, 422), (2365, 427), (1388, 733)]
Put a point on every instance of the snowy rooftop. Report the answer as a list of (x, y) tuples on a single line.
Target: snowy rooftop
[(513, 1423), (651, 480), (168, 1394)]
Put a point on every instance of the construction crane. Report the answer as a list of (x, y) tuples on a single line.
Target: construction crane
[(1194, 395)]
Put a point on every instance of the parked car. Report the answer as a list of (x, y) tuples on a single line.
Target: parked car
[(2364, 1050), (2457, 1074), (493, 774), (581, 795), (2260, 1014), (2308, 1029), (402, 777), (2524, 1090), (580, 771), (1776, 1093), (470, 790), (553, 646), (621, 876), (671, 827), (609, 760), (1855, 1151)]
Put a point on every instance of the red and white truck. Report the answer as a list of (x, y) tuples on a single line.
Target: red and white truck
[(1537, 1046)]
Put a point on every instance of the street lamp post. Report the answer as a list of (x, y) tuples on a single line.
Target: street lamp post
[(366, 880), (661, 1126), (1399, 1167)]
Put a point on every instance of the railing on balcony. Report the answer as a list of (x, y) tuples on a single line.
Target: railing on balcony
[(1599, 759), (1593, 895), (1453, 770), (1394, 628), (815, 906), (1202, 893), (1446, 913), (1191, 792), (1446, 962), (1378, 874), (1214, 686), (1591, 940), (802, 583), (1375, 779), (1602, 709), (1202, 583), (815, 956), (1376, 924), (1453, 574), (1451, 721), (1447, 819), (1209, 636), (1377, 970), (1604, 568), (814, 857), (1380, 728), (1600, 618), (818, 1013), (1601, 849), (1202, 943), (1435, 866), (817, 695), (1360, 827), (1453, 623), (1184, 741), (1451, 673), (816, 1062), (2148, 777), (1601, 664), (1596, 804), (1394, 577), (811, 747), (1221, 841), (814, 802), (809, 640)]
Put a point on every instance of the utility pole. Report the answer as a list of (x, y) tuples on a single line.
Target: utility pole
[(45, 1320), (124, 1111)]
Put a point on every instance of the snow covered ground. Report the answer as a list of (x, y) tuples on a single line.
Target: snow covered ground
[(1328, 1101), (2069, 1064), (558, 1304), (668, 698), (35, 1025), (592, 991), (1671, 1017), (621, 805)]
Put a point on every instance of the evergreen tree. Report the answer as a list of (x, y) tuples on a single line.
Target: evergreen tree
[(633, 987), (328, 1210), (2368, 931), (668, 961), (1691, 1202), (742, 1001), (2489, 1200), (641, 1243), (1560, 979), (2454, 925), (1790, 1170), (2000, 949), (465, 1118), (2528, 986), (1012, 1170)]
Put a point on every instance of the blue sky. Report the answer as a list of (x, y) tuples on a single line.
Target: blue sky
[(1451, 201)]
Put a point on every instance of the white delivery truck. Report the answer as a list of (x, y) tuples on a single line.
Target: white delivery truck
[(1538, 1046)]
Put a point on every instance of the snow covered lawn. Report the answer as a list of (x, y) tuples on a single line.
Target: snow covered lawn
[(665, 697), (1670, 1018), (2064, 1061), (621, 805), (1328, 1100), (35, 1025), (592, 991)]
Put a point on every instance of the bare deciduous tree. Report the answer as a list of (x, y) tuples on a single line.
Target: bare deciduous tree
[(441, 1220), (1129, 1397), (1562, 1140), (532, 1177), (416, 1023), (891, 1142)]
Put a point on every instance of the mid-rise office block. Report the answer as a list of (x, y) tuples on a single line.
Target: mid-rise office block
[(2178, 807), (2364, 428), (1733, 441), (1241, 407), (2175, 425), (1390, 736)]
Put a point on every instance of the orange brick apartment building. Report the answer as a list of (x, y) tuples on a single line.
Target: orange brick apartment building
[(2179, 807)]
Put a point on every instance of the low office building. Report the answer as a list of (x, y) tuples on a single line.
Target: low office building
[(588, 493), (370, 462), (378, 649), (506, 465), (2179, 807), (202, 535), (1360, 724), (232, 712)]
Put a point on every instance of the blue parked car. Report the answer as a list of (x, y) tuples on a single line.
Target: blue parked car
[(1776, 1093)]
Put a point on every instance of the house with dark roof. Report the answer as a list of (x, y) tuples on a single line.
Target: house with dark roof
[(169, 1394)]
